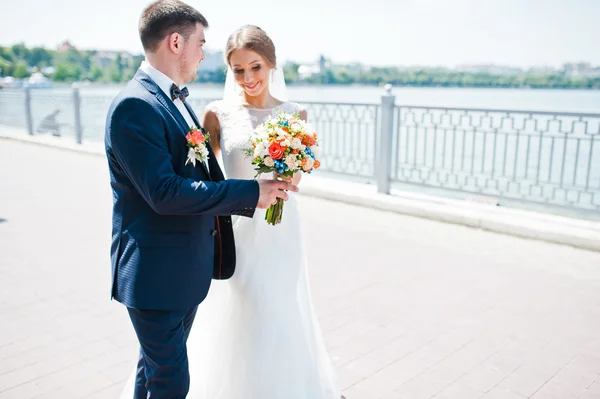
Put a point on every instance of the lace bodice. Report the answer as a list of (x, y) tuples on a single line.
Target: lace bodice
[(237, 124)]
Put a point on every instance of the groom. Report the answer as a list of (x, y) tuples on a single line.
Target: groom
[(172, 227)]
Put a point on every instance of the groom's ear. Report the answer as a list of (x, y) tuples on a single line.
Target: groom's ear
[(175, 42)]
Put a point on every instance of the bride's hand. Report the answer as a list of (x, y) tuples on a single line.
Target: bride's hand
[(294, 180), (277, 176)]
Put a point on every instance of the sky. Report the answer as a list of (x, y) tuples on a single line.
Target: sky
[(449, 33)]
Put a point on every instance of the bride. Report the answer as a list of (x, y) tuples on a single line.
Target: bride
[(256, 335)]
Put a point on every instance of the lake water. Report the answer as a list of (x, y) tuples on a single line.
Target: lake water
[(96, 99), (516, 99)]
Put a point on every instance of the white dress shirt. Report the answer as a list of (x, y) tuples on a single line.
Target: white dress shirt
[(165, 83)]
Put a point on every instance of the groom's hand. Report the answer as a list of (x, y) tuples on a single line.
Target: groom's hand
[(270, 190)]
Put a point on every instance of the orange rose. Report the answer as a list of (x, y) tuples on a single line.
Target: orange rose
[(195, 137), (316, 165), (276, 151)]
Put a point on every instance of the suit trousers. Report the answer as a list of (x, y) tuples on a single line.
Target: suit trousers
[(162, 371)]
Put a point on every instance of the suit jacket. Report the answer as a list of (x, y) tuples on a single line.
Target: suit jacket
[(171, 222)]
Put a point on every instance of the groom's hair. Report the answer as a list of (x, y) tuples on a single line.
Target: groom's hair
[(164, 17)]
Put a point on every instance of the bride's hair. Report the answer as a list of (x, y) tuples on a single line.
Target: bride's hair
[(251, 37)]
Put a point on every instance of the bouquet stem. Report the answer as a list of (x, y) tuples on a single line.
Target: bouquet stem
[(274, 213)]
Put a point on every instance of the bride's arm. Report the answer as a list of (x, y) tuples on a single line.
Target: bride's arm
[(297, 176), (210, 122)]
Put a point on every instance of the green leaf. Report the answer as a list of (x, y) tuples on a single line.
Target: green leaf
[(263, 169)]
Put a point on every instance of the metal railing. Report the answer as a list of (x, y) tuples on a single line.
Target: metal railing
[(523, 157), (539, 157), (348, 136)]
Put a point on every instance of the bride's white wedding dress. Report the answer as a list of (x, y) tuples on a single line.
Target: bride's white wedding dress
[(256, 336)]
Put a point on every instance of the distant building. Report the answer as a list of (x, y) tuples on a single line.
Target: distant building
[(581, 69), (489, 69), (104, 58), (305, 71), (322, 63), (543, 70), (65, 46)]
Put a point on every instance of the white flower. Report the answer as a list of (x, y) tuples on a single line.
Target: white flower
[(290, 161), (262, 133), (191, 156), (269, 162), (201, 154), (309, 164), (280, 133), (296, 143), (296, 126), (259, 149), (316, 150)]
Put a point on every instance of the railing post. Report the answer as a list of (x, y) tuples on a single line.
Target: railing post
[(384, 158), (28, 117), (77, 113)]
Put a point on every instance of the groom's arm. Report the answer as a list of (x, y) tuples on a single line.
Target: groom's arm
[(137, 141)]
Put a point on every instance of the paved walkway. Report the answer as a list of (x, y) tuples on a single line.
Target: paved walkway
[(410, 308)]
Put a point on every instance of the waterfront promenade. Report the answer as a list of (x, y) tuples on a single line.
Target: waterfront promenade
[(410, 308)]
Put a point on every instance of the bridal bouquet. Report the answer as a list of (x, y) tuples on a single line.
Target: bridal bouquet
[(284, 144)]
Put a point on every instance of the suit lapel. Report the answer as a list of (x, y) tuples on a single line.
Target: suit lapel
[(170, 105), (153, 88), (166, 102), (193, 115), (215, 170)]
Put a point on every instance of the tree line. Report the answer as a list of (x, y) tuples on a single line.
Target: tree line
[(70, 64)]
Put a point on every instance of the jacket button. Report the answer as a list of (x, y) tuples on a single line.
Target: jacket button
[(213, 233)]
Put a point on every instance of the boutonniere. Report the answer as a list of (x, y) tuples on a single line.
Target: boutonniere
[(196, 142)]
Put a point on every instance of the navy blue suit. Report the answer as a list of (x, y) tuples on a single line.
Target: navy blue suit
[(171, 232)]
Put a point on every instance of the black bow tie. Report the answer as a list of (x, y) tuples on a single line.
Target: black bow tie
[(176, 92)]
